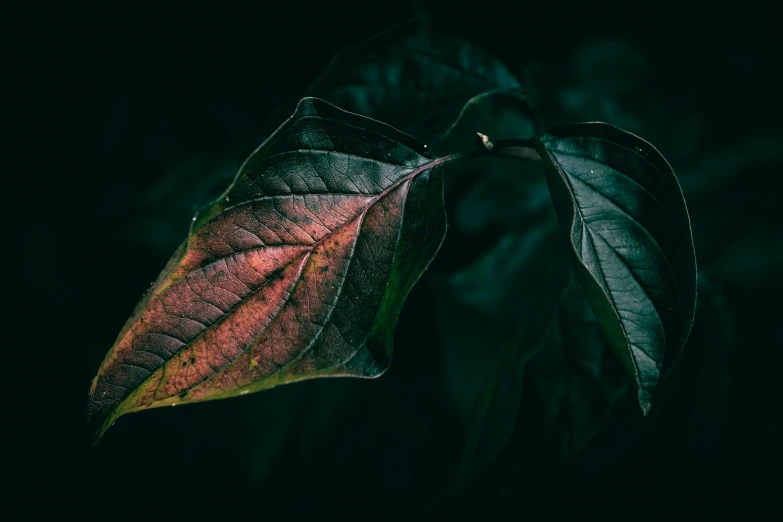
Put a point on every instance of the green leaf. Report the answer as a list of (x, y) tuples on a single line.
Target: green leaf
[(298, 271), (524, 266), (621, 209), (574, 382), (412, 78), (501, 263)]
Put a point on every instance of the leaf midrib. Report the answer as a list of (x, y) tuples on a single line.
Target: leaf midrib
[(564, 177), (618, 172), (640, 226), (359, 216), (417, 171)]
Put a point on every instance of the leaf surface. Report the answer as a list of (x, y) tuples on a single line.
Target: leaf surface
[(574, 382), (408, 76), (622, 210), (298, 271), (412, 77), (524, 328)]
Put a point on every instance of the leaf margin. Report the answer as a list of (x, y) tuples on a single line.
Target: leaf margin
[(584, 276), (391, 303)]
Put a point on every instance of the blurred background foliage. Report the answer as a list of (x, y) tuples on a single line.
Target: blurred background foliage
[(164, 117)]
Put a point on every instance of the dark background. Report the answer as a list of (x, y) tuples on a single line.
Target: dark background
[(147, 98)]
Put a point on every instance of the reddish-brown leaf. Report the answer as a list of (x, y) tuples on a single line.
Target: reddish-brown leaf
[(298, 271)]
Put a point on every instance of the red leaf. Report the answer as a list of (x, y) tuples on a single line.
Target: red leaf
[(299, 271)]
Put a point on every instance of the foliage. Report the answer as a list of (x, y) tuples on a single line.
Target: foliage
[(625, 234)]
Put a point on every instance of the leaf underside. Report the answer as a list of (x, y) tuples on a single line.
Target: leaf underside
[(299, 270), (621, 208)]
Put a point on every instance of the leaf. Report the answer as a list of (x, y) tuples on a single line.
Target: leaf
[(621, 209), (407, 76), (298, 271), (573, 383), (523, 327), (411, 77), (491, 312)]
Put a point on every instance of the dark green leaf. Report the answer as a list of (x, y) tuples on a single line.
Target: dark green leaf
[(573, 382), (411, 78), (491, 312), (519, 317), (621, 209), (487, 299)]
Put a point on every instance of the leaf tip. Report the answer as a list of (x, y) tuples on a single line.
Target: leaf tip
[(99, 419), (99, 430), (645, 401)]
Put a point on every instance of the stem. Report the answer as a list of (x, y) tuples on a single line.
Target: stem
[(522, 149), (519, 149)]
